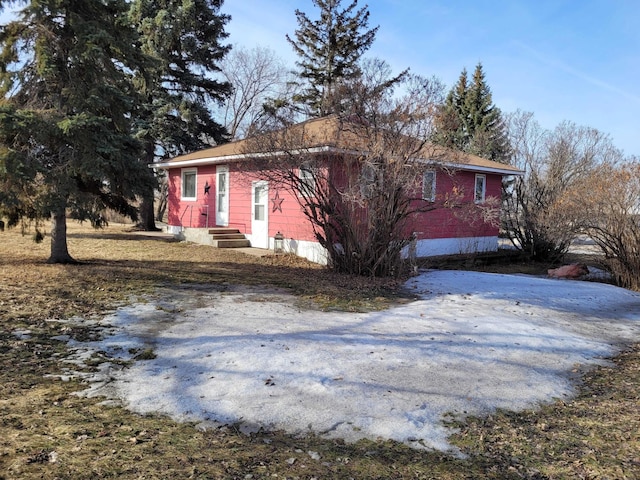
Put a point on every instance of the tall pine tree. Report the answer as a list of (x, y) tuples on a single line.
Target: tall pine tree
[(329, 50), (183, 40), (451, 122), (469, 121), (65, 120), (488, 134)]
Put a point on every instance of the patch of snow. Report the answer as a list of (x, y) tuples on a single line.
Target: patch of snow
[(22, 334), (471, 343)]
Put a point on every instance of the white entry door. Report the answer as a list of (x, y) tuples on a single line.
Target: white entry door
[(259, 219), (222, 195)]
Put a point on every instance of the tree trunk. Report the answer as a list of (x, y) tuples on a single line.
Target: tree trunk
[(161, 209), (59, 251), (146, 212)]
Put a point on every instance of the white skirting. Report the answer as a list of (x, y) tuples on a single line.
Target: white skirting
[(452, 246), (313, 252), (422, 248)]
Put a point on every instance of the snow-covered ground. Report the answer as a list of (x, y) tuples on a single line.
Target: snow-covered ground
[(471, 343)]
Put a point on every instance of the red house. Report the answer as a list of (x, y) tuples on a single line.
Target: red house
[(218, 195)]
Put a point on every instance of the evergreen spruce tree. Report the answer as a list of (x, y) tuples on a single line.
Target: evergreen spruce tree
[(182, 39), (451, 121), (487, 130), (329, 50), (470, 122), (65, 120)]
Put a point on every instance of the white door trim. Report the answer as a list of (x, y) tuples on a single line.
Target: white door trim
[(222, 195)]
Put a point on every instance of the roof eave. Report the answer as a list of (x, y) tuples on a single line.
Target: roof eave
[(197, 161), (484, 169), (472, 167), (314, 150), (242, 156)]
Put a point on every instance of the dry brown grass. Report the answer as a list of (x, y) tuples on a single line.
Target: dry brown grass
[(47, 432)]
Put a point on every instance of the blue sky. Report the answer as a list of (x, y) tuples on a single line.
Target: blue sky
[(576, 60)]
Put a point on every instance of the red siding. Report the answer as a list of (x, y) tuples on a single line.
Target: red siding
[(292, 223), (288, 219), (192, 213), (239, 200), (462, 220)]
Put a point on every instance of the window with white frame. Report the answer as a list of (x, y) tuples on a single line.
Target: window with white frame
[(367, 180), (307, 182), (222, 189), (189, 183), (429, 186), (480, 188)]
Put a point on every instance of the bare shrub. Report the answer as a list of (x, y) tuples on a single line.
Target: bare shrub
[(606, 206), (361, 192)]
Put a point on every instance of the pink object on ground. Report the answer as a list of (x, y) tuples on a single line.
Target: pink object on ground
[(574, 270)]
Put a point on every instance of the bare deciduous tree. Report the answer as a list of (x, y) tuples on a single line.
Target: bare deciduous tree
[(257, 76), (554, 161)]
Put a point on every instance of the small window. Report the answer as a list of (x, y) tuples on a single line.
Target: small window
[(259, 201), (222, 182), (368, 181), (429, 186), (189, 182), (481, 188), (222, 190), (307, 182)]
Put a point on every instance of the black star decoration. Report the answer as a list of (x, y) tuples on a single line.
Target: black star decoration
[(277, 202)]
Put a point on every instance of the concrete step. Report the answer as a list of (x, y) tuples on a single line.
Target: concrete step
[(227, 236), (238, 243), (223, 230)]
